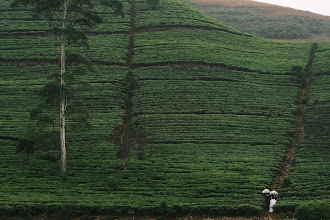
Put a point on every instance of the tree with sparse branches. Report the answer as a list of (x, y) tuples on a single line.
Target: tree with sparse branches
[(124, 138), (120, 136), (68, 21)]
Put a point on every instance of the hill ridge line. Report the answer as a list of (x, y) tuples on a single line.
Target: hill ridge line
[(299, 135)]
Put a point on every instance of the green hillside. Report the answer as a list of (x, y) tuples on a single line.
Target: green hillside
[(267, 20), (310, 177), (220, 103)]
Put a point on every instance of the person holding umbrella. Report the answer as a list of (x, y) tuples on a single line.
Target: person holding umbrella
[(267, 197), (272, 202)]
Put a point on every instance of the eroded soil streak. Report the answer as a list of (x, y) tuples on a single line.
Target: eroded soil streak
[(299, 135)]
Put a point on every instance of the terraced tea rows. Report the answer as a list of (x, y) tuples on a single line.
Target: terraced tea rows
[(19, 22), (198, 110), (209, 91), (222, 115), (42, 48), (19, 89), (309, 179), (216, 47), (175, 13), (198, 107), (322, 59)]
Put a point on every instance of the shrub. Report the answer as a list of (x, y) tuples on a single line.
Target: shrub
[(313, 210), (300, 74), (153, 3)]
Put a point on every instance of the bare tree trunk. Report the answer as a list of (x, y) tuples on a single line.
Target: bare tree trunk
[(63, 98)]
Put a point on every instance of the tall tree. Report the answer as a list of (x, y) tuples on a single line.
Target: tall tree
[(68, 21)]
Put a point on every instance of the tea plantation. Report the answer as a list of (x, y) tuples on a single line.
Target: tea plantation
[(309, 179), (220, 103)]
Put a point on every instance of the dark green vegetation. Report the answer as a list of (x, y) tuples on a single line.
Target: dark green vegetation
[(263, 22), (310, 176), (220, 104), (313, 210)]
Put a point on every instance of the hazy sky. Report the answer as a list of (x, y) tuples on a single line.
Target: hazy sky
[(316, 6)]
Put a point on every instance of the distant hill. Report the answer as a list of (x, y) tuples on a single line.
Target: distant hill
[(267, 20)]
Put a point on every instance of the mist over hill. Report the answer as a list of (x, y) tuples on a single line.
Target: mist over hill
[(267, 20)]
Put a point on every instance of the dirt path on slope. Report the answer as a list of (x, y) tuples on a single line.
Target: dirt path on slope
[(299, 135)]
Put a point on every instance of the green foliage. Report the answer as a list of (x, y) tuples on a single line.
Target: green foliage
[(69, 22), (120, 136), (51, 92), (321, 62), (46, 112), (300, 73), (176, 13), (79, 16), (26, 146), (142, 140), (37, 138), (290, 30), (313, 210), (309, 179), (153, 3), (79, 116), (216, 47), (214, 128)]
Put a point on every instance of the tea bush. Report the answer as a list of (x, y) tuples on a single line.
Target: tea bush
[(313, 210)]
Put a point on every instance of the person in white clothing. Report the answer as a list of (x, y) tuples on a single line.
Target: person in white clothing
[(271, 204)]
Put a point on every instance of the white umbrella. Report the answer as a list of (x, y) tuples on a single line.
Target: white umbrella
[(266, 191), (273, 192)]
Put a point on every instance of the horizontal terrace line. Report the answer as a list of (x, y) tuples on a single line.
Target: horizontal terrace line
[(184, 64), (175, 27), (199, 65), (43, 33), (206, 113), (138, 30)]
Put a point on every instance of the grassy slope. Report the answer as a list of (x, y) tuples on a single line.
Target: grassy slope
[(267, 20), (309, 179), (214, 128)]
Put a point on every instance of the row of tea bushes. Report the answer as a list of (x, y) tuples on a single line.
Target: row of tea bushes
[(322, 59), (106, 48), (175, 13), (104, 96), (226, 130), (18, 21), (216, 47), (309, 179)]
